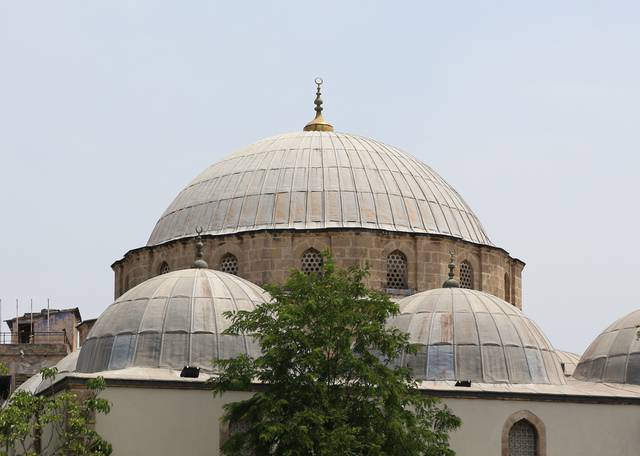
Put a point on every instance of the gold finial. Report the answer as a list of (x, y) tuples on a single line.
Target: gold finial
[(318, 123)]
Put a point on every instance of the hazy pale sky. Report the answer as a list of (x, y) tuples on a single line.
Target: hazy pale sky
[(531, 110)]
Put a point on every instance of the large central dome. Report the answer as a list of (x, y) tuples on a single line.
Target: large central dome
[(316, 180)]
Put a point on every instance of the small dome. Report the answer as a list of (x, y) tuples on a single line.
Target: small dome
[(171, 321), (318, 180), (615, 354), (466, 334)]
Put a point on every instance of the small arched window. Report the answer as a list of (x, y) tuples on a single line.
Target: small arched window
[(507, 287), (466, 275), (523, 439), (229, 264), (311, 261), (397, 270), (164, 268)]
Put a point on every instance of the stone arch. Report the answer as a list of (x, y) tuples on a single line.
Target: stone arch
[(302, 245), (219, 253), (163, 268), (397, 270), (311, 261), (466, 275), (229, 263), (408, 249), (531, 419)]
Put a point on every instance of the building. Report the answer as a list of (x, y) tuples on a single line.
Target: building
[(274, 206), (36, 340)]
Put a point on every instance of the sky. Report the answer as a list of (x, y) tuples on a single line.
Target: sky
[(531, 110)]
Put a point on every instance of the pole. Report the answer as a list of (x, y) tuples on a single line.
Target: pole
[(17, 320), (48, 321), (31, 323), (2, 341)]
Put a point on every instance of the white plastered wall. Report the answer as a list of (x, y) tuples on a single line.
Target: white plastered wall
[(154, 421)]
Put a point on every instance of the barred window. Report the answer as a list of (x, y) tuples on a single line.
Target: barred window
[(523, 439), (229, 264), (397, 270), (466, 275), (311, 261), (507, 287), (164, 268)]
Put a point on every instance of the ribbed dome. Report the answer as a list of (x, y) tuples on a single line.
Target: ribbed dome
[(171, 321), (615, 354), (316, 180), (470, 335)]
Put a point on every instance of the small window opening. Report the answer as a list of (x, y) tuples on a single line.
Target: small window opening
[(466, 275), (397, 270), (229, 264), (24, 333), (164, 268), (311, 262), (523, 439)]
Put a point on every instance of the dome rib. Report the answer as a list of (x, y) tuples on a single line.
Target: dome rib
[(465, 334), (318, 180), (171, 321)]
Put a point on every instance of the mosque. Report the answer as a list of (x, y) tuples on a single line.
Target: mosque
[(274, 206)]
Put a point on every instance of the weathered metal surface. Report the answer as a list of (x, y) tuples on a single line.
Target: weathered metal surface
[(171, 321), (317, 180), (614, 356), (466, 334)]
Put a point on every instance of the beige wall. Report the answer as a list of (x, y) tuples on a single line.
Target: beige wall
[(157, 422), (572, 429), (268, 257)]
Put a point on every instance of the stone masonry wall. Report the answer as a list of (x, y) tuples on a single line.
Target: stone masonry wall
[(269, 256)]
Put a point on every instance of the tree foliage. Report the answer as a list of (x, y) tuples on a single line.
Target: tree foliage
[(60, 424), (327, 381)]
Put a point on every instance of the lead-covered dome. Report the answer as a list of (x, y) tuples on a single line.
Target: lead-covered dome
[(171, 321), (466, 334), (614, 356), (316, 180)]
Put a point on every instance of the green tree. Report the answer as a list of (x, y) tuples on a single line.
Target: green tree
[(60, 424), (327, 381)]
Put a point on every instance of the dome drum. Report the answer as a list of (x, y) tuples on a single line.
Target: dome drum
[(269, 256)]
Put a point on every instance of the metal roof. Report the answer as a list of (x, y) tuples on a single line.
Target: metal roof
[(316, 180), (614, 356), (467, 334), (171, 321), (568, 362)]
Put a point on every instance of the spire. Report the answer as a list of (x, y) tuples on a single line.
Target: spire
[(451, 282), (199, 263), (318, 123)]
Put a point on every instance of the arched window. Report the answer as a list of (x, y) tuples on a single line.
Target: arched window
[(164, 268), (507, 287), (523, 439), (311, 261), (466, 275), (229, 264), (397, 270)]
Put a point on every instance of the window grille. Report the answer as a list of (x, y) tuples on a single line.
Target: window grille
[(311, 262), (229, 264), (466, 275), (164, 268), (523, 439), (397, 270)]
